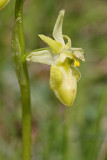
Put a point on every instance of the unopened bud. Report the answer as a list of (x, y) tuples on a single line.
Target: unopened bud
[(3, 3)]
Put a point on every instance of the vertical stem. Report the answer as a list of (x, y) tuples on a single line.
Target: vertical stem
[(18, 50), (66, 137)]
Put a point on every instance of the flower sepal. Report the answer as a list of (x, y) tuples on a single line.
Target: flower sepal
[(43, 55)]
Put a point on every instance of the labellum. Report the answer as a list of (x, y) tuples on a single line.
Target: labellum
[(63, 81)]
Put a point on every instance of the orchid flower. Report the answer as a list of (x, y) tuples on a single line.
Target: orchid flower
[(63, 59)]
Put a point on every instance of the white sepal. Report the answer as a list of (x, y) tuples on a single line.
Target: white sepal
[(44, 56), (57, 31)]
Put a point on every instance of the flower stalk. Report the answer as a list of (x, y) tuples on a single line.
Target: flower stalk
[(18, 50)]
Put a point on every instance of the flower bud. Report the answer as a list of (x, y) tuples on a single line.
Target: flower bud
[(63, 82), (3, 3)]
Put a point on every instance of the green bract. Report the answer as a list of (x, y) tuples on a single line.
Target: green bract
[(63, 60), (3, 3)]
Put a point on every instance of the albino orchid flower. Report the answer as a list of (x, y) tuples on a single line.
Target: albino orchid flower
[(63, 60), (3, 3)]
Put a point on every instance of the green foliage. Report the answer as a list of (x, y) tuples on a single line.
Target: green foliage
[(58, 132)]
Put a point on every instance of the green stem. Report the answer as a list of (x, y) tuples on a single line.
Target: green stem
[(18, 50), (66, 137)]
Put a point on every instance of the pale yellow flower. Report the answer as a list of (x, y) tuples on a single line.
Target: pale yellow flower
[(63, 59)]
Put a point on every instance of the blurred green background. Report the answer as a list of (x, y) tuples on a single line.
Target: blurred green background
[(58, 132)]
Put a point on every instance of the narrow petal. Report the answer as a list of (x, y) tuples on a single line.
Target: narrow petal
[(55, 46), (57, 31), (79, 53), (44, 56), (68, 44)]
